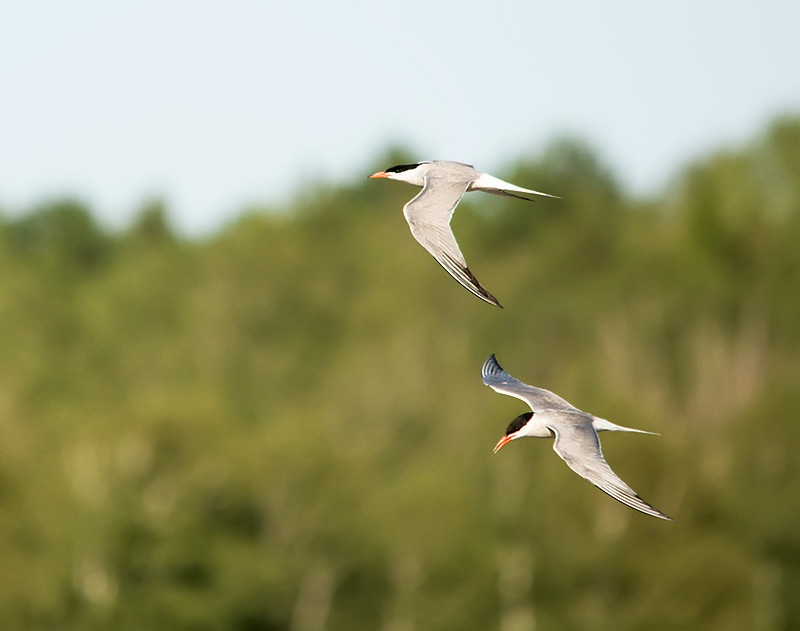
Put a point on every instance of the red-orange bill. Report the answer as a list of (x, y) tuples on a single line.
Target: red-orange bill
[(378, 174), (504, 440)]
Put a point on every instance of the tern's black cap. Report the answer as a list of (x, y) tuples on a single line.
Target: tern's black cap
[(399, 168), (518, 423)]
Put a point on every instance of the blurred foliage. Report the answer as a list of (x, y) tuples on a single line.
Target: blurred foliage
[(283, 426)]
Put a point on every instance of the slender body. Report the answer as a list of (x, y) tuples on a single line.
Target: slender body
[(575, 433), (443, 185)]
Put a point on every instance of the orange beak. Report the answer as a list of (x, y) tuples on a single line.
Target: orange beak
[(503, 441), (378, 174)]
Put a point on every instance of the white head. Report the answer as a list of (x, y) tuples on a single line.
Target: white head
[(411, 173)]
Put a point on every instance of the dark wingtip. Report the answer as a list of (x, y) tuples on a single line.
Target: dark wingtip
[(474, 286), (656, 513), (659, 514), (481, 291), (490, 366), (485, 295)]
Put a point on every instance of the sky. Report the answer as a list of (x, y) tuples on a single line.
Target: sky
[(217, 106)]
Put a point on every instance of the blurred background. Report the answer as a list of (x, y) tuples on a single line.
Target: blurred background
[(236, 394)]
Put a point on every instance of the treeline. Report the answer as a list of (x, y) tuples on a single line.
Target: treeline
[(283, 426)]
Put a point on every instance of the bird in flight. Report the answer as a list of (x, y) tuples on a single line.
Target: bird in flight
[(575, 433), (443, 185)]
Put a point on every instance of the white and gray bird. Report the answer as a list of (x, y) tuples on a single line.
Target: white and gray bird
[(443, 185), (575, 433)]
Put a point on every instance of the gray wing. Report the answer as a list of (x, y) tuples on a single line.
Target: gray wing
[(579, 446), (539, 399), (428, 215)]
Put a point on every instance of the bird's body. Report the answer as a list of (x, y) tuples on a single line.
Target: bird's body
[(575, 433), (428, 215)]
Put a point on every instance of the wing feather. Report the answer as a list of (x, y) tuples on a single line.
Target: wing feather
[(579, 446), (539, 399), (428, 216)]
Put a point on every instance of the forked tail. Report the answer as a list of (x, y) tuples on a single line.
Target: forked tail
[(602, 425), (490, 184)]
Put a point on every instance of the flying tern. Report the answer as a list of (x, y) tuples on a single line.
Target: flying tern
[(443, 185), (575, 432)]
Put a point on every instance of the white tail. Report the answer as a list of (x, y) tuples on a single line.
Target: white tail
[(602, 425), (490, 184)]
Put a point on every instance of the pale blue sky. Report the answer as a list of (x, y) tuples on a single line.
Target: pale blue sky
[(214, 105)]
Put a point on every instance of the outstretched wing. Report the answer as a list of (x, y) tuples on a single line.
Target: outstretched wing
[(428, 215), (539, 399), (579, 446)]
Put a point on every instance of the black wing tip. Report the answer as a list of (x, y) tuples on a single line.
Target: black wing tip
[(471, 283), (480, 291), (657, 513), (652, 512), (660, 515), (494, 301), (490, 368)]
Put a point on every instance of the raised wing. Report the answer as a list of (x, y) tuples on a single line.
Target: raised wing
[(578, 445), (539, 399), (428, 215)]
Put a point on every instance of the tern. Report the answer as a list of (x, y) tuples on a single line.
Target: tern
[(575, 432), (443, 185)]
